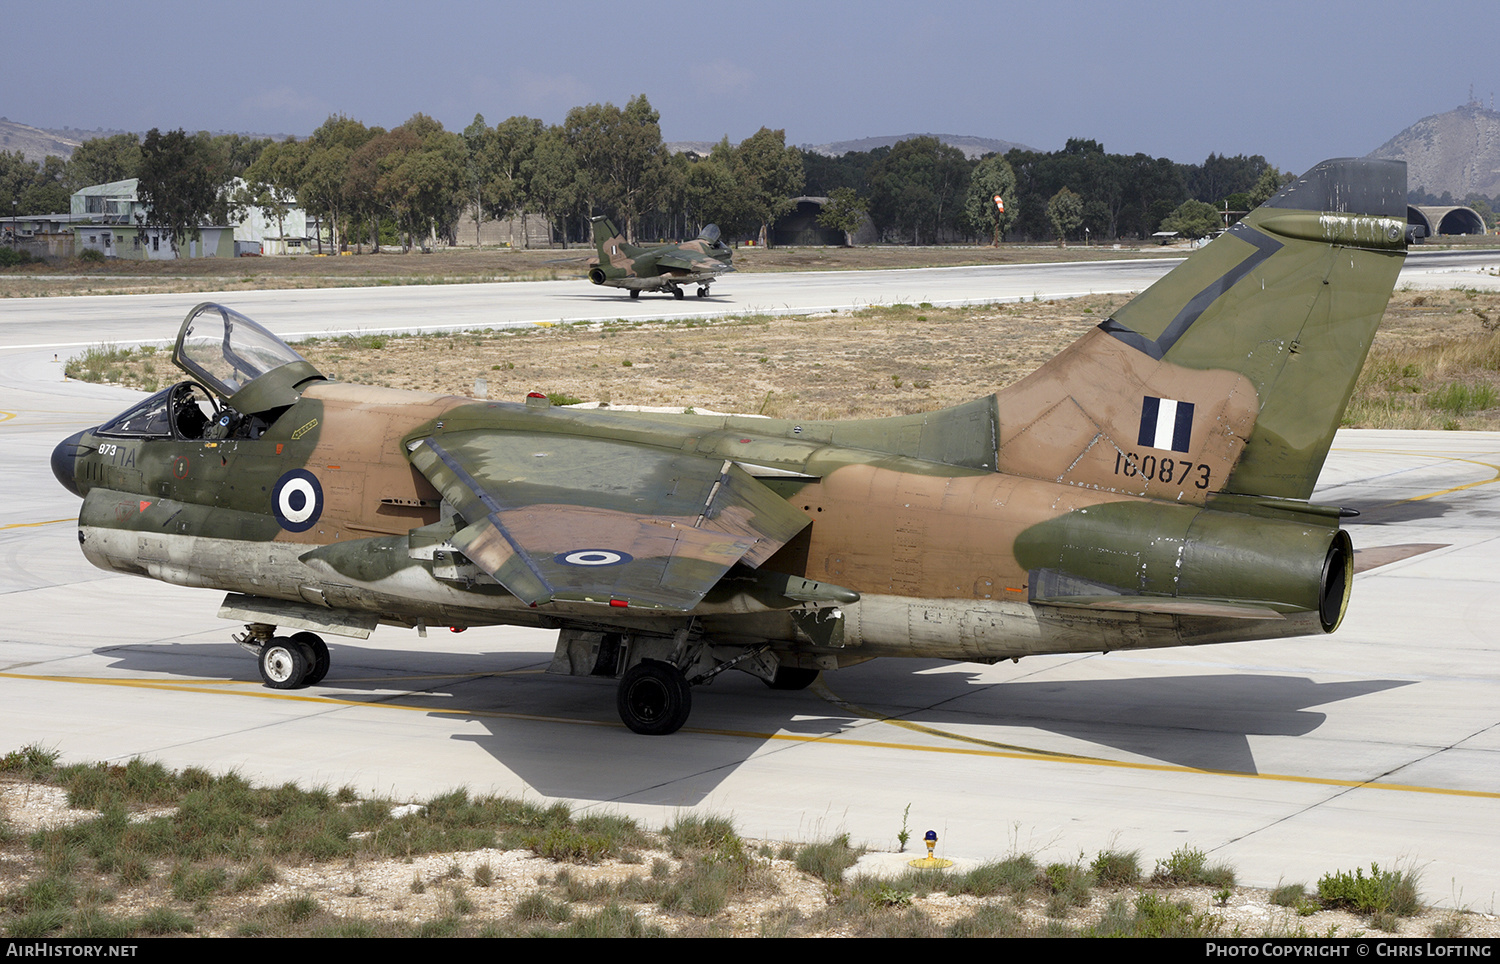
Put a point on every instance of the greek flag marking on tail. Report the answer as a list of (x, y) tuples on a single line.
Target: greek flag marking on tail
[(1166, 424)]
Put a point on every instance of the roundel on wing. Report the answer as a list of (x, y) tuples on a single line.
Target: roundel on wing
[(593, 557), (297, 500)]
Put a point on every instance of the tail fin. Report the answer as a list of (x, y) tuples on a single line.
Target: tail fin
[(609, 242), (1232, 372)]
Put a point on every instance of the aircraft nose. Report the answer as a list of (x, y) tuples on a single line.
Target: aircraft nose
[(64, 461)]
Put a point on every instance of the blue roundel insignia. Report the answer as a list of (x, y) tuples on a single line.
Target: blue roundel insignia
[(297, 500), (593, 557)]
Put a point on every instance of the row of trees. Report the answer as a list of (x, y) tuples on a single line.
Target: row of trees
[(601, 160), (921, 190), (415, 181)]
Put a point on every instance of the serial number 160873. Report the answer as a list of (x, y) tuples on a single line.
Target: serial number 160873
[(1164, 469)]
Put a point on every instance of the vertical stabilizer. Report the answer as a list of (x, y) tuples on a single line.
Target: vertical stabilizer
[(609, 243), (1235, 368)]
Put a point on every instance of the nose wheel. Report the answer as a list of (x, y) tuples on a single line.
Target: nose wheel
[(292, 662)]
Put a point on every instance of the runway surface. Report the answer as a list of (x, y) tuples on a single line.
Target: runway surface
[(1287, 759)]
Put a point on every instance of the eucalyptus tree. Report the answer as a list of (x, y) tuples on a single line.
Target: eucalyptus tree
[(844, 212), (510, 161), (714, 193), (619, 158), (918, 188), (1065, 211), (272, 181), (992, 178), (181, 178), (324, 183), (769, 174), (101, 160), (554, 178), (420, 179)]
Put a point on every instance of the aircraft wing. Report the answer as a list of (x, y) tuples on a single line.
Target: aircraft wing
[(558, 517), (686, 262)]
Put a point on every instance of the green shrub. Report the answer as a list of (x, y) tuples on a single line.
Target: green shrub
[(31, 760), (1457, 398), (1189, 865), (1158, 917), (1387, 891), (827, 860), (1069, 884), (1114, 868), (689, 831), (1013, 875)]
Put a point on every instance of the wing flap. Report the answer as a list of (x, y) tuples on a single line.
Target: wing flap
[(683, 262), (593, 520)]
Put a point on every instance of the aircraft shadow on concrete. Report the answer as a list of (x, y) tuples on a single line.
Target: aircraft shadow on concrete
[(1385, 514), (652, 298), (1202, 721)]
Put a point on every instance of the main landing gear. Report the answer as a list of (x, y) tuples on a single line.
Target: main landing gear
[(287, 662), (654, 698)]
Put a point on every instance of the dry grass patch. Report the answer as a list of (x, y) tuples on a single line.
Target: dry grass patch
[(1435, 362)]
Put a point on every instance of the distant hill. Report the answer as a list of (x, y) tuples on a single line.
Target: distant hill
[(697, 147), (36, 143), (1457, 152), (971, 146)]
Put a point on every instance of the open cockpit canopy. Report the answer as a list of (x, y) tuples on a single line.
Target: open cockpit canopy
[(248, 368)]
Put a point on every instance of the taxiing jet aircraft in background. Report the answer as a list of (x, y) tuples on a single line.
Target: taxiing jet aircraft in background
[(665, 267)]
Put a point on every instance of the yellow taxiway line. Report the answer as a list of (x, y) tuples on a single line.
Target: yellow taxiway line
[(978, 747), (31, 525), (1440, 458)]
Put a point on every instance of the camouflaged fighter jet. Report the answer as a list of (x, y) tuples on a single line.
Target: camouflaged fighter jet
[(1147, 487), (666, 267)]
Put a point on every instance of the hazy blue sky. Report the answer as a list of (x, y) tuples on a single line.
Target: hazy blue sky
[(1295, 81)]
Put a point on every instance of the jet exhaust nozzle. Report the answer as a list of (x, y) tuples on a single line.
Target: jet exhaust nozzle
[(1338, 579), (597, 276)]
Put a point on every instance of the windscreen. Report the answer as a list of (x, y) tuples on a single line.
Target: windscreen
[(149, 419)]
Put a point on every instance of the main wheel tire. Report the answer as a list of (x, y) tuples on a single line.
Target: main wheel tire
[(635, 292), (320, 658), (793, 678), (677, 293), (703, 292), (654, 698), (285, 663)]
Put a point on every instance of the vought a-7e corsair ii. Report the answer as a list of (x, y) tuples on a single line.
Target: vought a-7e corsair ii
[(1147, 487), (665, 267)]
